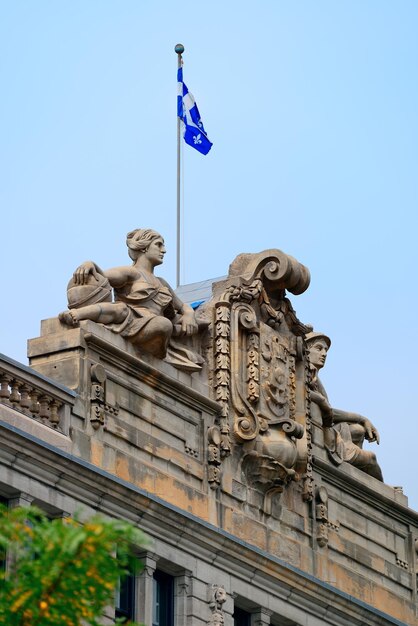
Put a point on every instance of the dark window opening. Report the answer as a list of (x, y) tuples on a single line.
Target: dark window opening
[(125, 599), (241, 617), (163, 599)]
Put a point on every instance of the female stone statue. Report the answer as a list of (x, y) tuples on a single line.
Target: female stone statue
[(344, 432), (146, 311)]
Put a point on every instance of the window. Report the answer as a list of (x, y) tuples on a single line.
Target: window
[(241, 617), (163, 599), (125, 598)]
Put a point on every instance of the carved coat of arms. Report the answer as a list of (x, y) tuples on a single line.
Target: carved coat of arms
[(260, 374)]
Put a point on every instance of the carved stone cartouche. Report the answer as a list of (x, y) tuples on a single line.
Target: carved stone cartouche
[(257, 368)]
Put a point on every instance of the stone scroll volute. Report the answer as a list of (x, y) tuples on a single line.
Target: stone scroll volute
[(259, 373)]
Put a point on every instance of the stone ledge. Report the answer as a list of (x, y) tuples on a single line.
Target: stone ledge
[(358, 483), (57, 339), (35, 428)]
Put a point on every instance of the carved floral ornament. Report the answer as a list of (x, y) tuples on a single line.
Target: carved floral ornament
[(258, 369)]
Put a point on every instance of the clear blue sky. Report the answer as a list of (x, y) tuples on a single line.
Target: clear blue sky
[(312, 109)]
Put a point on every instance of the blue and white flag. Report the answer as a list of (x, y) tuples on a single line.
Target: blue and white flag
[(193, 129)]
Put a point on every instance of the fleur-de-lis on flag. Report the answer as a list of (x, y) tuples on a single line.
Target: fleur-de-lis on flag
[(193, 130)]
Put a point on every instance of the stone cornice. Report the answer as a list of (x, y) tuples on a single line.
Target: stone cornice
[(357, 483)]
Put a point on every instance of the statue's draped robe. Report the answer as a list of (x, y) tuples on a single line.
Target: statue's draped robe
[(337, 438), (146, 298)]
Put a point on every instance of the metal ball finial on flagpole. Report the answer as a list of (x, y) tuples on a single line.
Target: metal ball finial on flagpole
[(179, 49)]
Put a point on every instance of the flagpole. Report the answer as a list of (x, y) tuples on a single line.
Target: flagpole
[(179, 49)]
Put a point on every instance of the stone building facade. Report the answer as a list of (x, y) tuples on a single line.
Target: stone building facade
[(260, 507)]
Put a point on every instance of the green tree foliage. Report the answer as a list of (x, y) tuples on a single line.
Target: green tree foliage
[(62, 572)]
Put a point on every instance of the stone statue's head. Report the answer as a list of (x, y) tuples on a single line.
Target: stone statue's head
[(318, 345), (219, 594), (138, 241)]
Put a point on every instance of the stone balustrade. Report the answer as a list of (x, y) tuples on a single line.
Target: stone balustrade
[(28, 392)]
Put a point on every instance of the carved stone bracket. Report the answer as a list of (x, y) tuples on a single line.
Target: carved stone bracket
[(216, 600), (321, 516), (214, 456), (98, 405)]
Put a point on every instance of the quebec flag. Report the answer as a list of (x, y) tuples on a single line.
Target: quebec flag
[(193, 129)]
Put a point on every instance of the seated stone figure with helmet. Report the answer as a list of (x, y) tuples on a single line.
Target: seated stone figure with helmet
[(344, 432)]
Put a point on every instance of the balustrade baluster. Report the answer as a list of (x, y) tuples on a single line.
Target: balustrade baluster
[(15, 395), (25, 400), (4, 388), (44, 408), (34, 407), (54, 417), (19, 394)]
